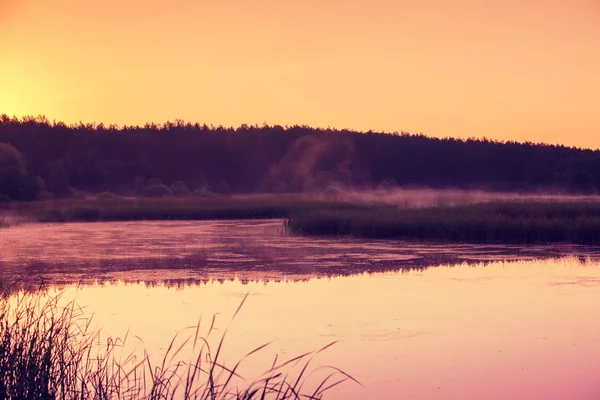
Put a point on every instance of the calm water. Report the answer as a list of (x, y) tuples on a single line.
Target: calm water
[(426, 321)]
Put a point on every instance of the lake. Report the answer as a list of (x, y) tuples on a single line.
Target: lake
[(411, 320)]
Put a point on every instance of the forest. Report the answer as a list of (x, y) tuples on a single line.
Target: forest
[(40, 159)]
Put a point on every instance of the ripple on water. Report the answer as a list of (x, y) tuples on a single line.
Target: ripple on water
[(90, 250)]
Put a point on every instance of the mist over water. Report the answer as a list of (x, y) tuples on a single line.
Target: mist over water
[(197, 251), (425, 197), (411, 319)]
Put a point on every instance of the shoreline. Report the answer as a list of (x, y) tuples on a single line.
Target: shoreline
[(525, 222), (514, 221)]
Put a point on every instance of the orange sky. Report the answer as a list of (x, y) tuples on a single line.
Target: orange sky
[(504, 69)]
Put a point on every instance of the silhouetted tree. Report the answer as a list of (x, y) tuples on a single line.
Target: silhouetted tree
[(156, 191), (13, 174), (126, 160), (223, 188), (58, 178), (180, 189)]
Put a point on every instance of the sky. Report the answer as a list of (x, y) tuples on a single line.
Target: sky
[(524, 70)]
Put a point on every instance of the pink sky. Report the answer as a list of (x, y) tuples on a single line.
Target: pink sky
[(509, 70)]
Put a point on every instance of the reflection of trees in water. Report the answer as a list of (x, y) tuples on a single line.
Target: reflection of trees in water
[(43, 282), (34, 283), (246, 252)]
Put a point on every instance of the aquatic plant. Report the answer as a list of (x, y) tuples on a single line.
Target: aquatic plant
[(48, 351), (497, 222), (185, 208)]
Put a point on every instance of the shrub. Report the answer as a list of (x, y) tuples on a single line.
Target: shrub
[(106, 196), (154, 181), (76, 194), (45, 196), (223, 189), (204, 192), (156, 191), (180, 189)]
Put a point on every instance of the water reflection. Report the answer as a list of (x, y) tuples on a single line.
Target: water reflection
[(200, 251), (523, 330), (479, 326)]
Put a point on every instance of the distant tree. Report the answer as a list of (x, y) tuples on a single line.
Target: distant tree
[(223, 189), (180, 189), (203, 192), (13, 175), (97, 158), (9, 155), (106, 196), (139, 183), (36, 186), (12, 182), (156, 191), (77, 194), (154, 181), (387, 184), (58, 178), (45, 196)]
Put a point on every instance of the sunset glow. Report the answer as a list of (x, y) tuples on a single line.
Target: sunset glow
[(503, 69)]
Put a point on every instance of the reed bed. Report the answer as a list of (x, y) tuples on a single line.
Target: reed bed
[(48, 351), (132, 209), (497, 222)]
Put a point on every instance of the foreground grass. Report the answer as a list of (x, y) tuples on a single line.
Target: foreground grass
[(133, 209), (48, 352), (501, 222)]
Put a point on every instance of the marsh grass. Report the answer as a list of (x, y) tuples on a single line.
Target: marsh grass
[(48, 351), (190, 208), (498, 222)]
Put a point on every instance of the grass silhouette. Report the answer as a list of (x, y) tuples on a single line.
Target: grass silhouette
[(48, 351), (496, 222), (132, 209)]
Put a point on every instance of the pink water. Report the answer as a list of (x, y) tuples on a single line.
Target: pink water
[(510, 326)]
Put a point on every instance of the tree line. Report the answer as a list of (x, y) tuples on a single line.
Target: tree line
[(40, 159)]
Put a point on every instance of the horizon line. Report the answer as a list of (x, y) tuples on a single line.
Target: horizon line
[(41, 119)]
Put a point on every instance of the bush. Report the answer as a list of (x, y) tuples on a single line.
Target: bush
[(156, 191), (154, 181), (106, 196), (45, 196), (180, 189), (223, 188), (204, 192), (76, 194)]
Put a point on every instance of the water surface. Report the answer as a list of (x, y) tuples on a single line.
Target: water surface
[(425, 321), (203, 250)]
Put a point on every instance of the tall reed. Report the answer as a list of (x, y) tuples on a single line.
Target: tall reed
[(499, 222), (49, 351), (190, 208)]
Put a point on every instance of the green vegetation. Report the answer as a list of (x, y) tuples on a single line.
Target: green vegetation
[(500, 222), (48, 351)]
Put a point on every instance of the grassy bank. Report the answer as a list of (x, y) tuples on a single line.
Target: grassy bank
[(510, 221), (132, 209), (501, 222), (48, 351)]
